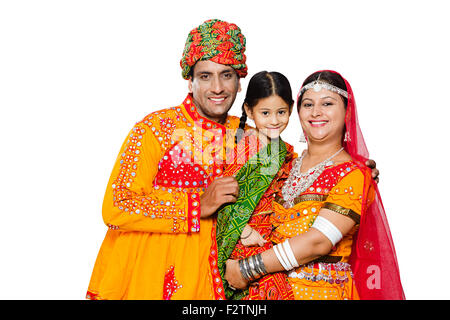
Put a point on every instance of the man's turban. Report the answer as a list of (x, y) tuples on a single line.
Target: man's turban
[(218, 41)]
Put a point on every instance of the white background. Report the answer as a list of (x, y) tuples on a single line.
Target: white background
[(76, 75)]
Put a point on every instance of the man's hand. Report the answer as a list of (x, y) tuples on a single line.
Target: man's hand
[(375, 172), (222, 190)]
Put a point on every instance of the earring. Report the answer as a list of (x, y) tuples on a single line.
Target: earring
[(302, 138), (346, 136)]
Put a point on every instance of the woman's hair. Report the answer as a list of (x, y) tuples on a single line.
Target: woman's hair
[(263, 85), (326, 76)]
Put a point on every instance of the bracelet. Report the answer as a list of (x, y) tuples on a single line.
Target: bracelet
[(328, 229), (282, 258), (260, 264), (243, 238), (244, 270), (252, 267), (290, 254)]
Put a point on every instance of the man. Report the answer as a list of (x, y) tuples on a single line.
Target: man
[(166, 183), (163, 182)]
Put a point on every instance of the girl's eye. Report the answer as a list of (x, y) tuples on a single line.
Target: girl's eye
[(281, 112), (265, 113)]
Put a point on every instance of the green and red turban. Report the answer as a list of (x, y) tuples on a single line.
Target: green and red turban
[(218, 41)]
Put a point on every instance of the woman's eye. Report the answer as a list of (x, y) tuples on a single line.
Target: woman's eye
[(307, 105), (328, 104)]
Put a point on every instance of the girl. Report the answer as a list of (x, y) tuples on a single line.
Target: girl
[(243, 227)]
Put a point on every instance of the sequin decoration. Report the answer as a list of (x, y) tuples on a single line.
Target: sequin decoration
[(177, 171), (153, 205), (219, 293), (170, 284)]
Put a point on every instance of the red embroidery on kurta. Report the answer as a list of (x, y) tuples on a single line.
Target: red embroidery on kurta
[(219, 293), (170, 284)]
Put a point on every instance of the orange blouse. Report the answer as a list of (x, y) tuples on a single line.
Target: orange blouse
[(339, 188)]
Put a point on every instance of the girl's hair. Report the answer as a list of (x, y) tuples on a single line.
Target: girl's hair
[(263, 85), (326, 76)]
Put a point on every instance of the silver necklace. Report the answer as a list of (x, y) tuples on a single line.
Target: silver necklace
[(298, 182)]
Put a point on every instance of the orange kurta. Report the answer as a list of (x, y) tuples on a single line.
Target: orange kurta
[(339, 188), (156, 246)]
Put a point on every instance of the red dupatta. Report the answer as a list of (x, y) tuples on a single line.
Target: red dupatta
[(373, 258)]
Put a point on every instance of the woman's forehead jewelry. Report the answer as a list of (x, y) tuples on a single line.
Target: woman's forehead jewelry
[(318, 85)]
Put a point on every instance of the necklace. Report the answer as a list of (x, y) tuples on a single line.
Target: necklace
[(298, 182)]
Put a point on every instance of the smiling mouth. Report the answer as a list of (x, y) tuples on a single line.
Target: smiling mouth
[(217, 100), (318, 123)]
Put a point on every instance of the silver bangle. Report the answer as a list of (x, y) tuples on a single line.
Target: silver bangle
[(261, 265), (245, 270), (256, 264), (242, 269), (252, 267)]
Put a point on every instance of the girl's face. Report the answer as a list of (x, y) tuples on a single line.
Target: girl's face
[(271, 115), (322, 115)]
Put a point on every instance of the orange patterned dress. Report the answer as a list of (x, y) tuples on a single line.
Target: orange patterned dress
[(273, 286), (339, 188), (157, 247)]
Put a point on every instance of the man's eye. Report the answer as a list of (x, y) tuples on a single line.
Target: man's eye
[(204, 77), (228, 75)]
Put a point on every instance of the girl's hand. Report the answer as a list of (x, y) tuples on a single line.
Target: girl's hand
[(233, 275), (251, 237)]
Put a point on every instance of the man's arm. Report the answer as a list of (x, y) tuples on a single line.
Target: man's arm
[(131, 201)]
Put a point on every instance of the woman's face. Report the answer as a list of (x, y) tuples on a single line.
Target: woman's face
[(322, 115), (271, 115)]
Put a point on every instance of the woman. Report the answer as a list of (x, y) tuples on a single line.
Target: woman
[(330, 228)]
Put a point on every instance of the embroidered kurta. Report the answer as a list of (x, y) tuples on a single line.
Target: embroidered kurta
[(156, 246), (339, 188)]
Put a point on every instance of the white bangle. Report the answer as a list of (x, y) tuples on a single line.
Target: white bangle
[(290, 254), (284, 261), (328, 229)]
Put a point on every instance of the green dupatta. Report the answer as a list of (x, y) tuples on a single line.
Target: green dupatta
[(253, 178)]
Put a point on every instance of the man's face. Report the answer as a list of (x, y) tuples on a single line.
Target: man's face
[(214, 88)]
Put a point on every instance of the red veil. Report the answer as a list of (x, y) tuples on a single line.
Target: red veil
[(373, 259)]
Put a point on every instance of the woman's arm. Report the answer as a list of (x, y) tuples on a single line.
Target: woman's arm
[(305, 247)]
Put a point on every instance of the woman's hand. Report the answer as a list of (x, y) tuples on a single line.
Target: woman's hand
[(251, 237), (233, 275)]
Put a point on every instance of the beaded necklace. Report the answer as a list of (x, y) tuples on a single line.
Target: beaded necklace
[(298, 182)]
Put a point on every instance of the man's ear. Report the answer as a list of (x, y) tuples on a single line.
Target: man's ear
[(190, 85), (248, 111)]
